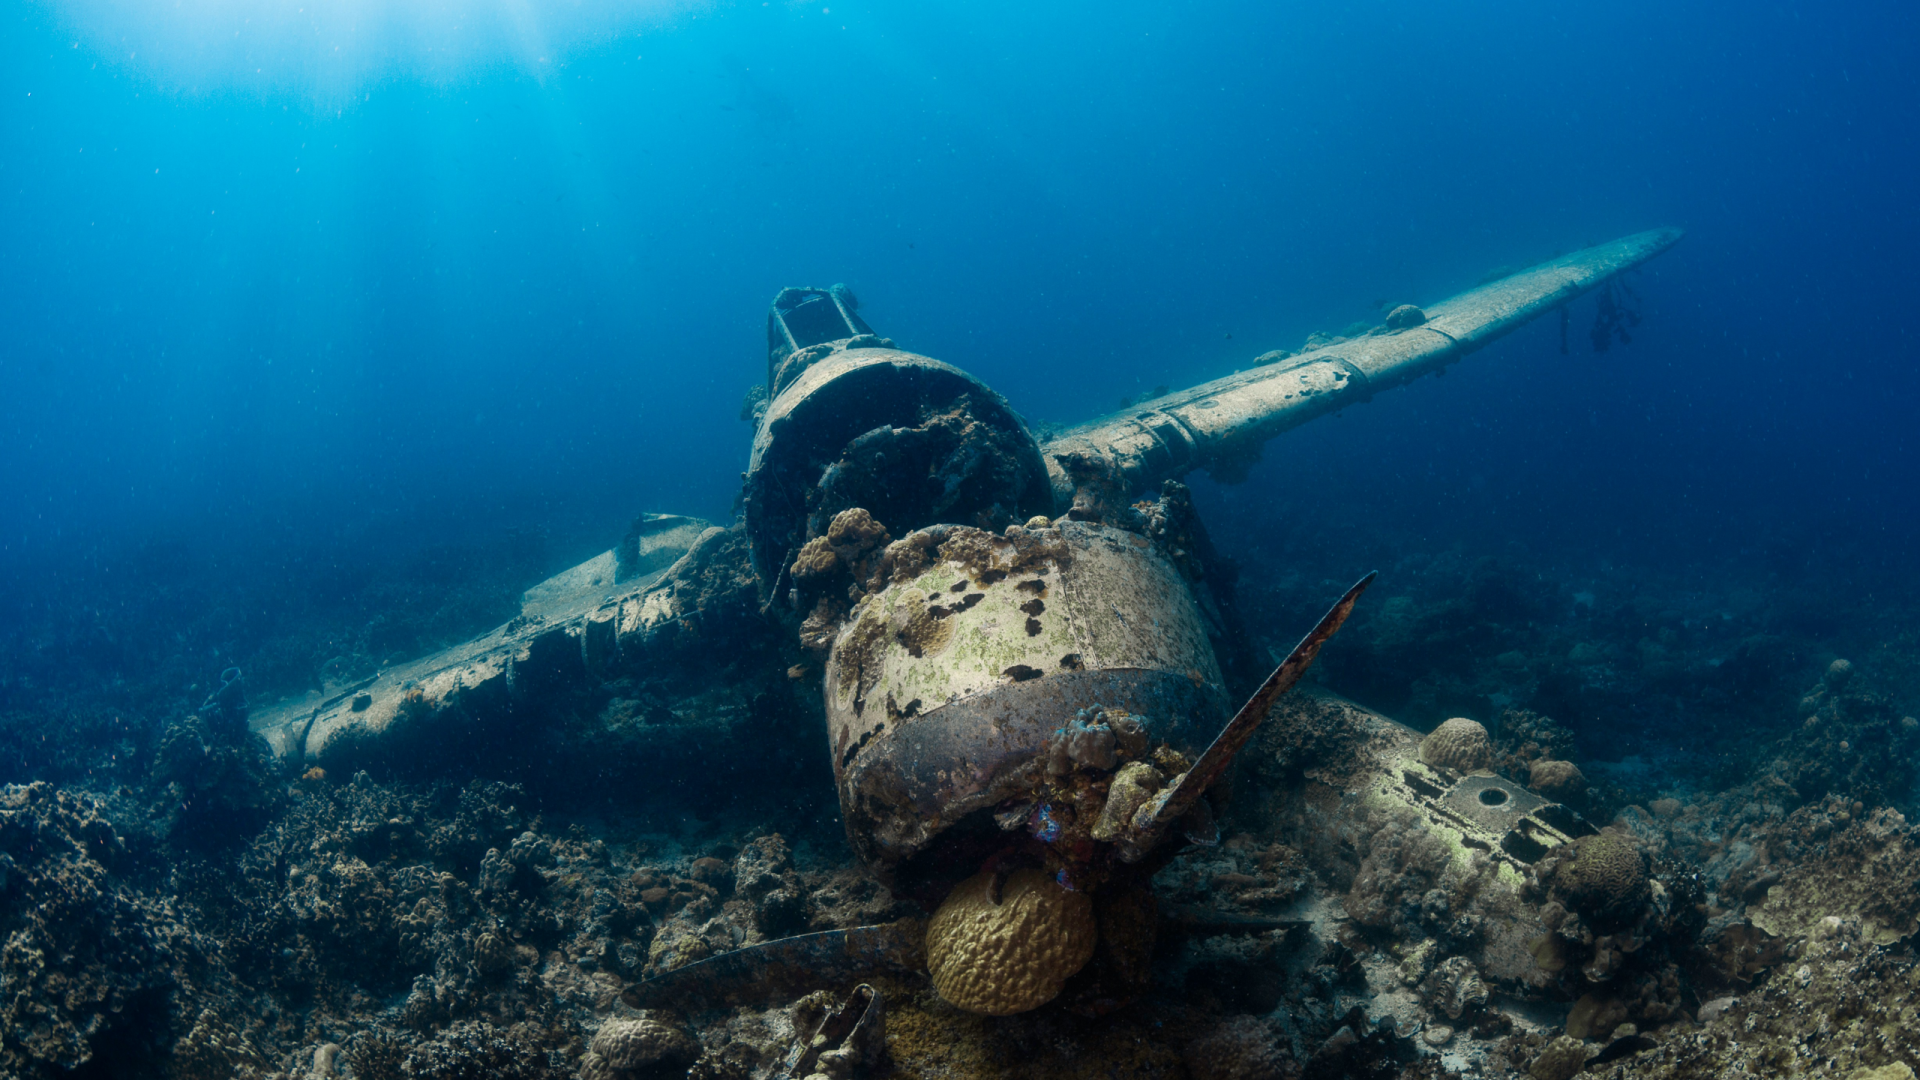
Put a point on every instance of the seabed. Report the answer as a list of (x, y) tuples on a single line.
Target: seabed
[(473, 902)]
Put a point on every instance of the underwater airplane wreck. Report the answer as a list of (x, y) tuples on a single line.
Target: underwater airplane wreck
[(1027, 670)]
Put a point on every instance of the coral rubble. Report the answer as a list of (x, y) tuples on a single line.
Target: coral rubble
[(1738, 893)]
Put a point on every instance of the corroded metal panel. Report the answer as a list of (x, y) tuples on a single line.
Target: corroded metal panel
[(942, 690), (1168, 436), (566, 629), (848, 392)]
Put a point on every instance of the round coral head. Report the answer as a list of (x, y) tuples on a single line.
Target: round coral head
[(1459, 744), (1005, 958)]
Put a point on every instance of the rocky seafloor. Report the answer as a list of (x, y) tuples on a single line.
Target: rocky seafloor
[(175, 903)]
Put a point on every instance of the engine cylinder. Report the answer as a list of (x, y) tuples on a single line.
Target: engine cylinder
[(944, 688)]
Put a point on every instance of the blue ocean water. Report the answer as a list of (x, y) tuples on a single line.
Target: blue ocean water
[(291, 290), (269, 273)]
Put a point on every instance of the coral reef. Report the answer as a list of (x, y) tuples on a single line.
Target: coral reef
[(87, 960), (765, 880), (1851, 742), (1243, 1048), (178, 906), (1842, 1006), (1526, 738), (1563, 1058), (218, 779), (1846, 863), (1407, 881)]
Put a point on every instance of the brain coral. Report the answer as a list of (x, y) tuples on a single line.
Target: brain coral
[(644, 1047), (1459, 744), (1560, 780), (1603, 878), (1006, 958)]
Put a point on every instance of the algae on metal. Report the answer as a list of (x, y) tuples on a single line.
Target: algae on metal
[(927, 726), (565, 620), (1227, 419)]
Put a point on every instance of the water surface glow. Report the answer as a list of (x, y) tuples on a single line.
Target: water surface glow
[(330, 49)]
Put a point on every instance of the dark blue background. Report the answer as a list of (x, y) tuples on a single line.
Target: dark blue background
[(257, 301)]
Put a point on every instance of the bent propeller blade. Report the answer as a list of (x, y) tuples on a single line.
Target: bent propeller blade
[(1181, 796)]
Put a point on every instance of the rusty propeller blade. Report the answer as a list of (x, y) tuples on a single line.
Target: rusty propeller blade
[(1181, 796)]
